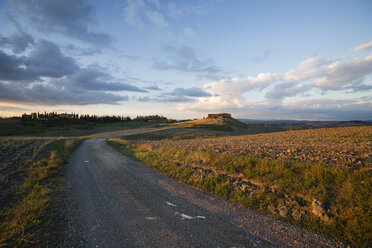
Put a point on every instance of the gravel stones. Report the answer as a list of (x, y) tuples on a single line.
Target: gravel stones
[(319, 211)]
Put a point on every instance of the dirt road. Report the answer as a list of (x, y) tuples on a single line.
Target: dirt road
[(112, 201)]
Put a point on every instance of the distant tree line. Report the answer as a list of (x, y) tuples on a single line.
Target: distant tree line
[(149, 118), (53, 118)]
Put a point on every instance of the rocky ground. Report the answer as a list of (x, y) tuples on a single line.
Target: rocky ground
[(351, 146)]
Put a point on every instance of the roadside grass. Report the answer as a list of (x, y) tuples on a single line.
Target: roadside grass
[(272, 185), (24, 221)]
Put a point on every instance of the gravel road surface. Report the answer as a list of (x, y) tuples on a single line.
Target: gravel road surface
[(113, 201)]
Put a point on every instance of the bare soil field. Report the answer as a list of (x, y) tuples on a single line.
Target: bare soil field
[(29, 170), (351, 146), (14, 154)]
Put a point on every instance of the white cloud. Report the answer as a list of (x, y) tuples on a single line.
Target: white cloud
[(154, 14), (295, 109), (363, 47), (228, 94), (309, 68), (189, 32), (155, 2), (157, 19), (213, 103), (325, 103), (339, 73), (295, 90), (173, 10), (287, 89), (328, 109), (143, 14), (237, 86), (186, 59), (132, 13), (332, 74)]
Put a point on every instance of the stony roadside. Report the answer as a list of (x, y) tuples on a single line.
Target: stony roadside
[(350, 146)]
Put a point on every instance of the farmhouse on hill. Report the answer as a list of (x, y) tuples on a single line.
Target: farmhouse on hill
[(220, 115)]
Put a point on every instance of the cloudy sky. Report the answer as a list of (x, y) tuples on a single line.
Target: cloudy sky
[(262, 59)]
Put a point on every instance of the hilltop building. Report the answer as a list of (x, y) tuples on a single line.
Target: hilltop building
[(220, 115)]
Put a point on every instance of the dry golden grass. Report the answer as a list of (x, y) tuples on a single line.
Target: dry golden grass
[(349, 146)]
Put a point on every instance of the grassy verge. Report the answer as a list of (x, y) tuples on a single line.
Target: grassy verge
[(24, 222), (336, 201), (145, 136)]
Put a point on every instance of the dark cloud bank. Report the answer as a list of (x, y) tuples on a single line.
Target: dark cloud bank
[(48, 76), (34, 70), (69, 17)]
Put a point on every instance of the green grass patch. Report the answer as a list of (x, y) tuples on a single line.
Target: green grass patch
[(144, 136), (157, 136), (121, 146), (236, 123), (345, 192), (223, 127)]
